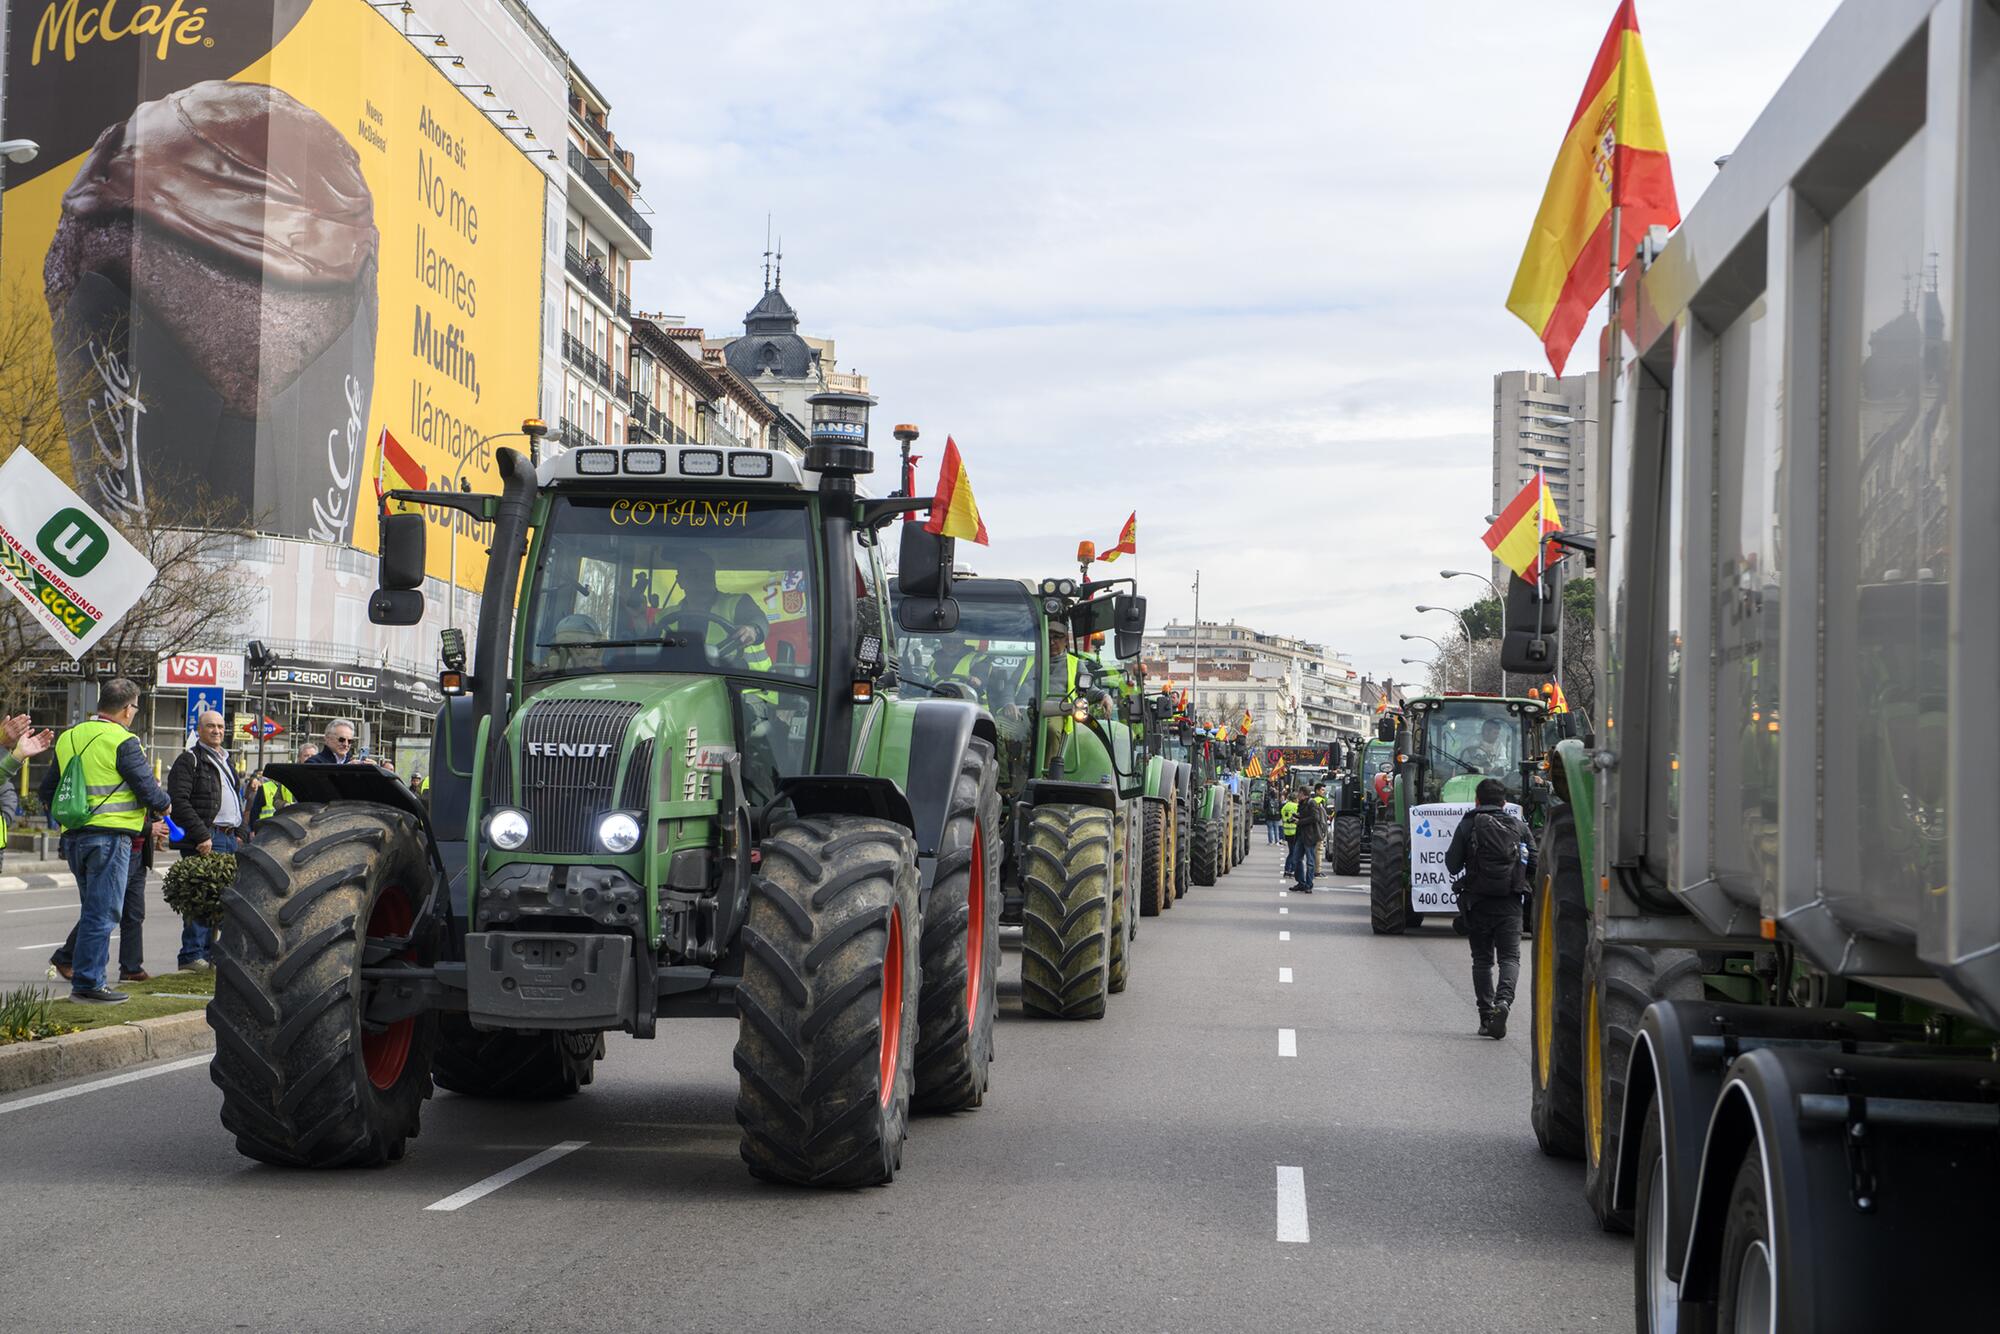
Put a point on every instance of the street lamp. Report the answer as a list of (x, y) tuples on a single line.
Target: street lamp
[(1498, 597), (534, 428), (1464, 625), (19, 151)]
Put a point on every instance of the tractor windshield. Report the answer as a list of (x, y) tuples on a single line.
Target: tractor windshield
[(1477, 738), (682, 585)]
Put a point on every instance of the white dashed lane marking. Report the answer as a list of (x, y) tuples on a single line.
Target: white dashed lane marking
[(1284, 935), (1292, 1205), (1284, 974), (22, 1104), (480, 1189), (1288, 1042)]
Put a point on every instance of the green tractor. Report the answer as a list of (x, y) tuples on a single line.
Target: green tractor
[(665, 785), (1167, 844), (1208, 803), (1448, 743), (1355, 806), (1070, 777)]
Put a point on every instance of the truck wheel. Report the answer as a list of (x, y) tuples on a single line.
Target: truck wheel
[(1389, 881), (1555, 987), (1156, 880), (1619, 982), (1183, 846), (523, 1066), (827, 1004), (961, 945), (1747, 1274), (1121, 905), (1066, 921), (305, 1080), (1207, 851), (1347, 845), (1656, 1297)]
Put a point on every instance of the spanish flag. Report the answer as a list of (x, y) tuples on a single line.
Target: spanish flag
[(955, 513), (1516, 535), (1128, 540), (1558, 702), (1614, 156), (404, 473)]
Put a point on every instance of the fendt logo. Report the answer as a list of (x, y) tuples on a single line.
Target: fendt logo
[(569, 750), (73, 542)]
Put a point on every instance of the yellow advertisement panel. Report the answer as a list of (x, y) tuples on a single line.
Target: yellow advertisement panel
[(274, 248)]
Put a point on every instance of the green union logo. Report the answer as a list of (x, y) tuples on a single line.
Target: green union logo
[(73, 542)]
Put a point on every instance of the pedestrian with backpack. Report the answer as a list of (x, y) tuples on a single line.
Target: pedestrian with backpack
[(99, 790), (1492, 859)]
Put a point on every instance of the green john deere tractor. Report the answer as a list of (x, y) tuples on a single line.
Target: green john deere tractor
[(1070, 774), (1355, 806), (1166, 848), (1449, 743), (665, 785), (1208, 802)]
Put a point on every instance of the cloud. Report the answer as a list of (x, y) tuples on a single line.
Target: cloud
[(1239, 269)]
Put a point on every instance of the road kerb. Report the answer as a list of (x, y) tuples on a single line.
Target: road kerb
[(26, 1065)]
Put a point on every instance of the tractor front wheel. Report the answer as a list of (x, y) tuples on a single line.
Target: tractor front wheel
[(961, 944), (1122, 923), (827, 1005), (1347, 839), (1561, 938), (1156, 871), (1207, 851), (307, 1079), (1389, 882), (1066, 919)]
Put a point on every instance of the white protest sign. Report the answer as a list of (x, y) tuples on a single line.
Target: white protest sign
[(1431, 828), (74, 571)]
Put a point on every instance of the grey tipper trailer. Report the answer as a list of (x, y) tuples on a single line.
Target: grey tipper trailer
[(1767, 999)]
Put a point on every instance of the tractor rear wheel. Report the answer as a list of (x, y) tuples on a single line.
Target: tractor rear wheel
[(1066, 920), (1347, 845), (1122, 924), (960, 953), (1225, 847), (306, 1079), (527, 1067), (1555, 989), (1207, 851), (1184, 822), (1156, 879), (827, 1005), (1619, 982), (1389, 881)]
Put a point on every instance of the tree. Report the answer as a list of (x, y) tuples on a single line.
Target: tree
[(1579, 667), (198, 599)]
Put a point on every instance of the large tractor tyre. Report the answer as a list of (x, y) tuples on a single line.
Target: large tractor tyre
[(1561, 938), (526, 1067), (305, 1080), (1347, 840), (1225, 847), (1156, 874), (1207, 851), (1184, 822), (1619, 982), (1389, 882), (960, 950), (1066, 921), (827, 1006), (1122, 917)]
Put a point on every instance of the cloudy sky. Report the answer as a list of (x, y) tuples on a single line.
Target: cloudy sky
[(1240, 268)]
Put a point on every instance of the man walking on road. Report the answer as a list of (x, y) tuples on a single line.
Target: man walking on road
[(120, 789), (210, 814), (1311, 819), (1288, 824), (1270, 813), (1494, 852)]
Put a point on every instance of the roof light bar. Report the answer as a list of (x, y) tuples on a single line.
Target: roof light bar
[(701, 463)]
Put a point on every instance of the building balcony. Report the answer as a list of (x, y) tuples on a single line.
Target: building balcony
[(589, 271), (621, 386), (608, 197), (586, 361), (574, 436)]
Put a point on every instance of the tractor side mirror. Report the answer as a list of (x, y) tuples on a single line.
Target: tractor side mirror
[(396, 606), (1385, 728), (923, 575), (402, 552), (1130, 625)]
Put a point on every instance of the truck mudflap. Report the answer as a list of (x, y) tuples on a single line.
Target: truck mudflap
[(550, 980), (1870, 1165)]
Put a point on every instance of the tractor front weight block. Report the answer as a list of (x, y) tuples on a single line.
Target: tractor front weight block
[(547, 980)]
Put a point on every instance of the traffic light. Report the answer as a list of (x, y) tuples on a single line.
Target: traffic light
[(1534, 617)]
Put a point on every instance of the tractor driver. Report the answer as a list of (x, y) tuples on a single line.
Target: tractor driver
[(1488, 754), (732, 625)]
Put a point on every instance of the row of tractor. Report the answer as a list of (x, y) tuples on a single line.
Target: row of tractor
[(704, 757)]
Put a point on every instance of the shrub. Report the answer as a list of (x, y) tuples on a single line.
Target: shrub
[(194, 886), (26, 1014)]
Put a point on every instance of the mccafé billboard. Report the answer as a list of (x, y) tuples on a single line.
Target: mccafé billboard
[(260, 231)]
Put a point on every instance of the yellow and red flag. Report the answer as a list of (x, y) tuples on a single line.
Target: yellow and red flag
[(1558, 702), (404, 473), (1613, 156), (1246, 722), (955, 513), (1128, 540), (1515, 538)]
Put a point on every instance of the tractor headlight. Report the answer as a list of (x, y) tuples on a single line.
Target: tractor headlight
[(507, 829), (618, 832)]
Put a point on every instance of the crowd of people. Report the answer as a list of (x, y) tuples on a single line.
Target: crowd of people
[(115, 816)]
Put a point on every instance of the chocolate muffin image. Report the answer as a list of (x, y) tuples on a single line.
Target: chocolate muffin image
[(236, 224)]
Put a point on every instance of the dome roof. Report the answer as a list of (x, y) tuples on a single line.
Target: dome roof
[(770, 344)]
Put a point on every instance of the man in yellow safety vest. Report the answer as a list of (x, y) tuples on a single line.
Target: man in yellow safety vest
[(1288, 825), (733, 626)]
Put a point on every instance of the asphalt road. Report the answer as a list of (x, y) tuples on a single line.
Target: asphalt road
[(36, 917), (1166, 1168)]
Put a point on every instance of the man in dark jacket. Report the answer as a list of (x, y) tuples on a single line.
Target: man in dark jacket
[(1311, 833), (339, 748), (1492, 857), (210, 814)]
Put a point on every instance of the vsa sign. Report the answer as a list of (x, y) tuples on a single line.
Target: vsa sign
[(196, 670)]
